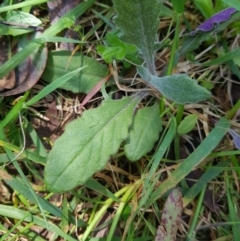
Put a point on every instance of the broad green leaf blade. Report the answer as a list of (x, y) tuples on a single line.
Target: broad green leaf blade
[(61, 62), (145, 132), (194, 159), (187, 124), (88, 143), (179, 87), (171, 217), (138, 20)]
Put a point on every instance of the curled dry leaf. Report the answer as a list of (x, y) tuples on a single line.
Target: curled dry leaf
[(7, 81), (26, 75), (57, 9)]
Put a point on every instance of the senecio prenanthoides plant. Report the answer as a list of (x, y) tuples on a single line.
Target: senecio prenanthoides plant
[(88, 142)]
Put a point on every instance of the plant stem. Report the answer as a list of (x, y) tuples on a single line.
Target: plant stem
[(174, 46), (124, 200), (191, 233)]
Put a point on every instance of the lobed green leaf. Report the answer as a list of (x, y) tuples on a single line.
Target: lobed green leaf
[(178, 87), (87, 144), (144, 133), (138, 21)]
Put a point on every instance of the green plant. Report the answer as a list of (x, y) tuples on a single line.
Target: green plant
[(130, 124), (102, 130)]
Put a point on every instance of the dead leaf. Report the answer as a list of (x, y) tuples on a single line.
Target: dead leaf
[(8, 81), (26, 75), (171, 217), (57, 9)]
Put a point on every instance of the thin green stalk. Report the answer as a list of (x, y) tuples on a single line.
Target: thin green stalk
[(101, 212), (173, 52), (174, 45), (13, 113), (21, 5), (95, 208), (179, 116), (124, 200), (11, 230), (233, 111), (191, 233), (235, 165), (231, 200)]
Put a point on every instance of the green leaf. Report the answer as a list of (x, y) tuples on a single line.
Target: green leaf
[(23, 18), (138, 21), (178, 6), (61, 62), (179, 87), (116, 49), (187, 124), (206, 7), (232, 3), (145, 132), (87, 144)]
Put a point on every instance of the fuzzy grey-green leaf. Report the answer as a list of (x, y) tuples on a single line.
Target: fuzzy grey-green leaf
[(138, 21), (145, 131), (87, 144), (178, 87)]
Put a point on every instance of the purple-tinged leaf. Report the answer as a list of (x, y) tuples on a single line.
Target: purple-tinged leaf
[(236, 138), (218, 18), (171, 217)]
